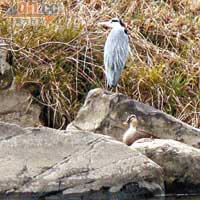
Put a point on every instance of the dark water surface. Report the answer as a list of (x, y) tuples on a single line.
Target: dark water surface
[(183, 198), (27, 197)]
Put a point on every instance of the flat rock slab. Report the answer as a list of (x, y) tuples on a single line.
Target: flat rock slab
[(104, 112), (47, 161), (180, 162)]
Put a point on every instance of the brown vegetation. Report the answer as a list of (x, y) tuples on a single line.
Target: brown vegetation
[(66, 57)]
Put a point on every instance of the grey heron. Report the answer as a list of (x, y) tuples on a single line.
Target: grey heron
[(116, 50)]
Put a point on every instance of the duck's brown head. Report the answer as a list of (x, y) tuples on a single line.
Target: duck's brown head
[(131, 120)]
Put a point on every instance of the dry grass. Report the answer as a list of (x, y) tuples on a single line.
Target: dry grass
[(65, 58)]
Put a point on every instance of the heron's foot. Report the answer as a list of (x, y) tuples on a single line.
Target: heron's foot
[(113, 89)]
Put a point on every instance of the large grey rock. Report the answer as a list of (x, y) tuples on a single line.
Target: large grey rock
[(15, 108), (4, 66), (6, 75), (103, 112), (47, 161), (180, 163), (15, 104)]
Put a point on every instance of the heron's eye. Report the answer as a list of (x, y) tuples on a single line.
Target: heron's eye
[(115, 20)]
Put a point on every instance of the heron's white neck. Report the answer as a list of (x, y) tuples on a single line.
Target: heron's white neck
[(117, 26)]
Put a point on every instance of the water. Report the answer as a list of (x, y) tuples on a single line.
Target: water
[(183, 198), (58, 197)]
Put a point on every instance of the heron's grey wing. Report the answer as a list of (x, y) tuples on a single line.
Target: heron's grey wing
[(115, 54)]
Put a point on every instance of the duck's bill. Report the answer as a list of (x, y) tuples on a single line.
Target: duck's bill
[(125, 123)]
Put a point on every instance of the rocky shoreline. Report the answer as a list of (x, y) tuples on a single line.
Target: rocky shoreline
[(89, 161), (47, 161)]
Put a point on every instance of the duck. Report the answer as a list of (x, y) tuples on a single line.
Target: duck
[(131, 133)]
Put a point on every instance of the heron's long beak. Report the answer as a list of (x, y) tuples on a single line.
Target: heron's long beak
[(105, 24)]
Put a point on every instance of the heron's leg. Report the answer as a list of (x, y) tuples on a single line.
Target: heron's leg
[(116, 90), (106, 85)]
